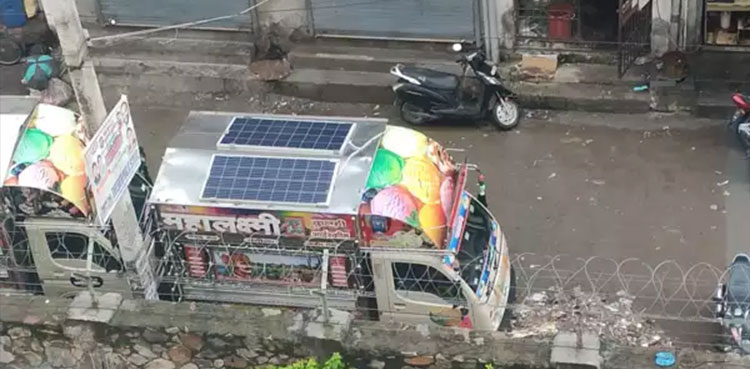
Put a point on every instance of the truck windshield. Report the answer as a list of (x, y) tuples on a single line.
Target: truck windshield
[(475, 245)]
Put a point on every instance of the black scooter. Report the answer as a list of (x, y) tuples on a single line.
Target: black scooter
[(733, 305), (425, 95), (740, 121)]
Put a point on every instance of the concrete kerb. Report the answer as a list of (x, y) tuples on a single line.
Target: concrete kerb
[(98, 308), (576, 350)]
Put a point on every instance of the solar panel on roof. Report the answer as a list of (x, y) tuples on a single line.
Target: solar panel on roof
[(291, 134), (266, 179)]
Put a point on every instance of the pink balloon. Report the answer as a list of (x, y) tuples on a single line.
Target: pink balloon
[(38, 175), (394, 202), (446, 195)]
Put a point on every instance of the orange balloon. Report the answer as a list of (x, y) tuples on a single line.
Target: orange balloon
[(73, 189), (66, 154), (432, 221), (422, 179)]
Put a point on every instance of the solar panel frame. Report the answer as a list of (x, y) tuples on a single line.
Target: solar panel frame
[(289, 149), (329, 189)]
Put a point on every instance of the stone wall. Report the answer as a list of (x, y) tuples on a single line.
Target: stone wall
[(42, 333), (156, 335), (86, 345)]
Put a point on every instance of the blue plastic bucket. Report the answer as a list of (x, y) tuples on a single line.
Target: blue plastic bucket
[(12, 13)]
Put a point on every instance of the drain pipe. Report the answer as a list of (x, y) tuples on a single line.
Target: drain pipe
[(675, 20), (494, 37), (478, 22), (484, 9)]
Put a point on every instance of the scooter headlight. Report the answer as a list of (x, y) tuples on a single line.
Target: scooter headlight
[(738, 313)]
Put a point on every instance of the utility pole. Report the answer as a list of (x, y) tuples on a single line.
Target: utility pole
[(62, 17)]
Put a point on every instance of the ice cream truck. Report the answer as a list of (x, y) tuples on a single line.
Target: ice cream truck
[(50, 241), (349, 213)]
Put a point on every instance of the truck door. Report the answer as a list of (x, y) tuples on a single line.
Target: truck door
[(60, 254), (418, 292)]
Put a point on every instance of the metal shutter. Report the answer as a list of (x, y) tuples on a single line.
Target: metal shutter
[(169, 12), (405, 19)]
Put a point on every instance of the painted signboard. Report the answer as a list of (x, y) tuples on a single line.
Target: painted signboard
[(46, 175), (459, 224), (380, 231), (263, 265), (248, 265), (254, 226), (412, 180), (112, 159)]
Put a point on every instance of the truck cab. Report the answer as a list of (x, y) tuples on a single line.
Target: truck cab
[(468, 287), (50, 242), (60, 250), (349, 213)]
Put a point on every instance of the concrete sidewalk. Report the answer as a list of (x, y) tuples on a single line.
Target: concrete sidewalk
[(334, 71)]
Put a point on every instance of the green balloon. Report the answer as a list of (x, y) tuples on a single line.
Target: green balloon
[(386, 169), (34, 146)]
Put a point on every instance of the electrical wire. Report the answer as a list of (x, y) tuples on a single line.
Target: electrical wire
[(177, 26)]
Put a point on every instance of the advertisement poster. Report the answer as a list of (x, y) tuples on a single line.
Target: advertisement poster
[(246, 265), (380, 231), (196, 261), (412, 180), (260, 227), (46, 175), (112, 159)]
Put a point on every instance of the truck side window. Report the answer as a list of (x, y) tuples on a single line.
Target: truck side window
[(410, 277), (74, 246)]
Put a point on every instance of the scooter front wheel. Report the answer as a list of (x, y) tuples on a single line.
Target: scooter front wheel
[(742, 131), (506, 114), (414, 114)]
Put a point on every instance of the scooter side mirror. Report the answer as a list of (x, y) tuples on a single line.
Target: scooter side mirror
[(456, 47), (719, 292)]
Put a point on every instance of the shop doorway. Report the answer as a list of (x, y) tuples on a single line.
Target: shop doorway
[(620, 26), (634, 33), (587, 24), (599, 21)]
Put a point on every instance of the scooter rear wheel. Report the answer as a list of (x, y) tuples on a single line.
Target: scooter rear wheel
[(413, 114)]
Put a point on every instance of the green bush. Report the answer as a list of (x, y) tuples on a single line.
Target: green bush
[(333, 362)]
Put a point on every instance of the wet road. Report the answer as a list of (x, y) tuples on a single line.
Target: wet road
[(601, 191)]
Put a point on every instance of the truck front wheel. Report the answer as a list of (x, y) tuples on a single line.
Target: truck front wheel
[(505, 324)]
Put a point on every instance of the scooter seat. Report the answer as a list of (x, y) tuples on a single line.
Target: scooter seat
[(431, 78), (742, 101)]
